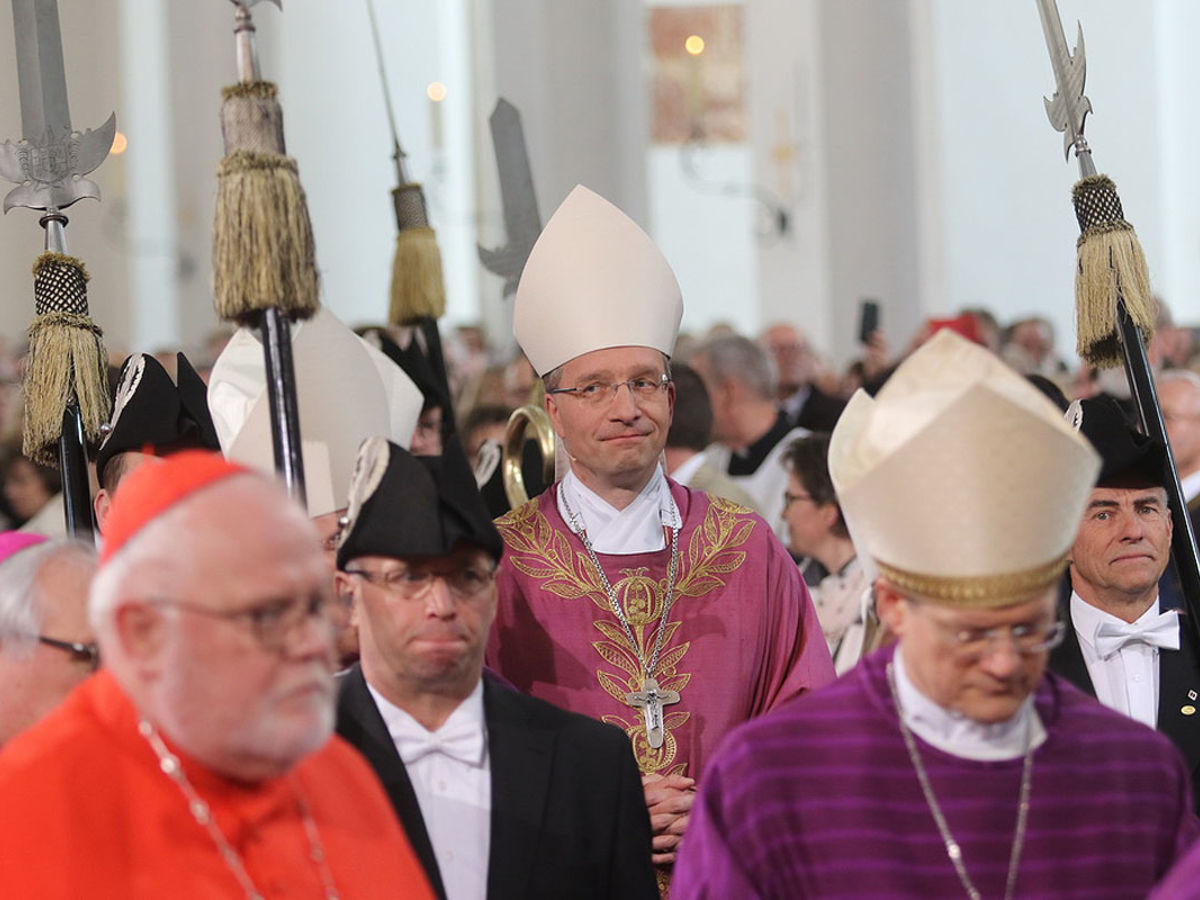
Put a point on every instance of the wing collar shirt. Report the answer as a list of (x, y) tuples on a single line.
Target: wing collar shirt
[(1122, 657), (1190, 486), (958, 735), (451, 776), (638, 528)]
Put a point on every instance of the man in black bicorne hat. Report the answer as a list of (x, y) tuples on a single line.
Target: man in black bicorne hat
[(152, 415), (502, 795), (1128, 645)]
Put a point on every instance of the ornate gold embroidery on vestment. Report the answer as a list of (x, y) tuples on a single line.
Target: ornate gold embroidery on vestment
[(539, 551)]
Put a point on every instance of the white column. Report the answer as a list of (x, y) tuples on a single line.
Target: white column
[(145, 118)]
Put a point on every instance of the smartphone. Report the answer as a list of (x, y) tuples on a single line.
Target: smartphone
[(868, 320)]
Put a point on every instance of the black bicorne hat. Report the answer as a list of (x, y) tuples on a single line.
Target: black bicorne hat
[(402, 505), (1130, 458), (152, 411), (415, 365)]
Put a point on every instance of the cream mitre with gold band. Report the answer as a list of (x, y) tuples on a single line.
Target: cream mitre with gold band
[(961, 482), (594, 280), (347, 391)]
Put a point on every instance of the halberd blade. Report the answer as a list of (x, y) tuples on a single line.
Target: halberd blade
[(522, 221), (49, 163), (1068, 108)]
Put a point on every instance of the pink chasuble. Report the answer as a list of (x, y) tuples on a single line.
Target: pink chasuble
[(741, 637)]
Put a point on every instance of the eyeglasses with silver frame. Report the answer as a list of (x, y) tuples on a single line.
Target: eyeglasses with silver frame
[(413, 584), (600, 393), (272, 623)]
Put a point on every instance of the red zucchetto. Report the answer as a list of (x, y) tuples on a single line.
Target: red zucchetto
[(154, 488)]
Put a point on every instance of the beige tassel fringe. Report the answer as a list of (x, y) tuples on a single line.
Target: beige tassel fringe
[(1111, 266), (66, 359), (263, 251), (417, 288)]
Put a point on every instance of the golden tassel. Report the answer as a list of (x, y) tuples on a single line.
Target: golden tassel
[(66, 360), (263, 251), (417, 288), (1111, 267)]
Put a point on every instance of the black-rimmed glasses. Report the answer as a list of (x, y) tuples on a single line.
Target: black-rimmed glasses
[(88, 654)]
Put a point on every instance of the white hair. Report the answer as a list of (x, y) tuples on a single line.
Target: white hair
[(21, 602), (737, 358)]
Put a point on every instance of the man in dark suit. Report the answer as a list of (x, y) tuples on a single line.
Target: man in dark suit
[(501, 795), (1127, 645), (804, 403)]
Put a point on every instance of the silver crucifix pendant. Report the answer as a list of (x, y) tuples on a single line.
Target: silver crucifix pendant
[(651, 701)]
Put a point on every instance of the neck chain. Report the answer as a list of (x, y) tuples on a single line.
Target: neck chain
[(651, 698), (172, 768), (953, 850)]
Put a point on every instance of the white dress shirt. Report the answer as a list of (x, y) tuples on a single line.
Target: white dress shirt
[(1190, 486), (958, 735), (638, 528), (1127, 679), (453, 791)]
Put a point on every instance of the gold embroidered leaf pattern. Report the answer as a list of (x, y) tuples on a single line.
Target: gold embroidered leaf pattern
[(618, 657), (668, 661), (611, 630), (615, 689), (540, 552), (675, 682)]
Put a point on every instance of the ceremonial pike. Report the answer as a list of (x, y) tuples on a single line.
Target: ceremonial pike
[(418, 291), (1114, 308), (264, 261), (66, 384)]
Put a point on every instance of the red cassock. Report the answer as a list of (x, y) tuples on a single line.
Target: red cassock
[(85, 811)]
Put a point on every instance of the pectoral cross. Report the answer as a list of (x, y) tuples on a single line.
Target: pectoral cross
[(650, 700)]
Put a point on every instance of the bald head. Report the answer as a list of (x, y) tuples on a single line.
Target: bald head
[(214, 618), (793, 359)]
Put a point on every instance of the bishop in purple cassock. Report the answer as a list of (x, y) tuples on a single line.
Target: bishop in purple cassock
[(950, 765)]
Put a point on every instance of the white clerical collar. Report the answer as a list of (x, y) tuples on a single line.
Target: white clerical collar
[(1087, 619), (638, 528), (467, 717), (958, 735), (1190, 486)]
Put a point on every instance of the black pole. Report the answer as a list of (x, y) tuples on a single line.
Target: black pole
[(73, 464), (281, 398), (1183, 541)]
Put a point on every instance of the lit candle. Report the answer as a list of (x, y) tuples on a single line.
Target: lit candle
[(436, 92), (694, 45)]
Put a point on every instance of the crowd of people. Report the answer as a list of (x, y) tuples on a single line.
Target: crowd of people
[(907, 630)]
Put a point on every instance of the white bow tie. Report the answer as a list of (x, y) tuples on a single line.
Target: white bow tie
[(1162, 631), (461, 741)]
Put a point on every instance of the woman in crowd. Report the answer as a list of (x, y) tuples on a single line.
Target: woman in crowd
[(817, 531)]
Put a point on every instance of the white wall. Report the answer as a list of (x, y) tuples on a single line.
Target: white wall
[(1008, 227)]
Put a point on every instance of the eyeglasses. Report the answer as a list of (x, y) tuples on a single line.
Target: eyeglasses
[(601, 393), (273, 623), (413, 584), (88, 654), (973, 644)]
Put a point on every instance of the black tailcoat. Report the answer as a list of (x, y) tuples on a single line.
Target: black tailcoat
[(568, 813)]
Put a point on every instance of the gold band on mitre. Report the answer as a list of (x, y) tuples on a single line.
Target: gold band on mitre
[(976, 591)]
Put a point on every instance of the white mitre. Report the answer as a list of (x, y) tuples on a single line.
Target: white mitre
[(594, 280), (347, 391), (961, 481)]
